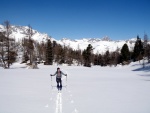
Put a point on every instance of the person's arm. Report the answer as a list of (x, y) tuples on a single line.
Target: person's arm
[(63, 73), (54, 74)]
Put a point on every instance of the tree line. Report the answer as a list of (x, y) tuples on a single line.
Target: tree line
[(50, 52), (7, 47)]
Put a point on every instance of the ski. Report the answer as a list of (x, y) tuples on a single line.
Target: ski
[(62, 86), (59, 88)]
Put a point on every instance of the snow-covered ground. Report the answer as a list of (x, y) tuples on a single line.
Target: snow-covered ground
[(89, 90)]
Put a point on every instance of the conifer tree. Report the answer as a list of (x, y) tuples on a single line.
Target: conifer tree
[(138, 50), (7, 34), (100, 60), (8, 51), (2, 49), (25, 56), (70, 56), (87, 54), (146, 47), (79, 56), (55, 48), (96, 60), (125, 53), (49, 53), (107, 58), (30, 46), (60, 56), (148, 53), (113, 58)]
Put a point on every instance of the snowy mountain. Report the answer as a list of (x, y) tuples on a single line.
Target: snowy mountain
[(20, 32), (99, 45)]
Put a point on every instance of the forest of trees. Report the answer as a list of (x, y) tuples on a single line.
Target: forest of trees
[(7, 47), (51, 52)]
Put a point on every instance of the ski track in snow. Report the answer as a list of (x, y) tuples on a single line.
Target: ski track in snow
[(59, 103), (57, 98)]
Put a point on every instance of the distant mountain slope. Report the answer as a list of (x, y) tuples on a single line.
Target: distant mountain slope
[(20, 32), (99, 45)]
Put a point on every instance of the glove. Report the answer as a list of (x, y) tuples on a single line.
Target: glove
[(66, 74), (51, 75)]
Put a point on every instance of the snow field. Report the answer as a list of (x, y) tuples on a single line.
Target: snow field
[(122, 89)]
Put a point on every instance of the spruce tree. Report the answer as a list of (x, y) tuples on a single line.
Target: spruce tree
[(125, 53), (2, 48), (7, 34), (54, 47), (100, 60), (138, 50), (96, 60), (70, 55), (148, 53), (8, 46), (25, 57), (30, 44), (87, 54), (107, 58), (84, 54), (49, 55), (62, 55), (146, 47), (79, 57)]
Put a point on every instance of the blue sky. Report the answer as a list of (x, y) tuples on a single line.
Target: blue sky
[(76, 19)]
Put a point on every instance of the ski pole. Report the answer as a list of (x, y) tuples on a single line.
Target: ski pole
[(66, 80), (51, 80)]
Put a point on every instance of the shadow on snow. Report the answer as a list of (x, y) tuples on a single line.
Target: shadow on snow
[(146, 69)]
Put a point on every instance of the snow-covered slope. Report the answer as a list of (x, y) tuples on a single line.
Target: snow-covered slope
[(99, 45), (20, 32)]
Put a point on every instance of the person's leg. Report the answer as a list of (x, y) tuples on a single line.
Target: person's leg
[(57, 80), (60, 83)]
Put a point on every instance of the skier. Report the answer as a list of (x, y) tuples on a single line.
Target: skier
[(59, 74)]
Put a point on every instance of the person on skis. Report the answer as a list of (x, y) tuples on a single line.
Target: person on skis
[(59, 74)]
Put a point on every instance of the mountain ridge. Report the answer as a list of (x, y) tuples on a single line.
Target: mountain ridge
[(100, 45)]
